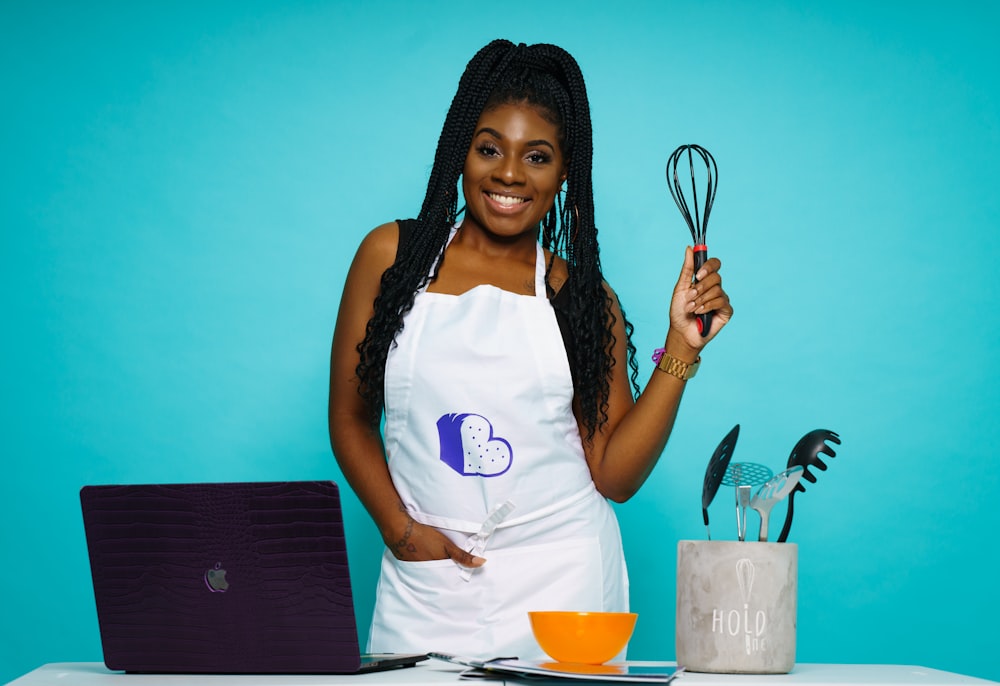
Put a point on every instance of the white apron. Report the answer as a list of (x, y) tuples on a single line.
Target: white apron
[(482, 443)]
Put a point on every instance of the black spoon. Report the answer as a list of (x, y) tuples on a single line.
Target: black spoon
[(807, 454), (716, 470)]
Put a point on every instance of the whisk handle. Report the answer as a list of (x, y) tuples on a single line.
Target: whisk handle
[(704, 320)]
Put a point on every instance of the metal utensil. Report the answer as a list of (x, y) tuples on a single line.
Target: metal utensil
[(699, 223), (807, 453), (773, 491), (716, 470), (742, 503), (743, 476)]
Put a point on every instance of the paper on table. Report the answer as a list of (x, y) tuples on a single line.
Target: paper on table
[(616, 672)]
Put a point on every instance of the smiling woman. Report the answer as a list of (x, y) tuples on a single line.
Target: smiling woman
[(503, 365), (511, 176), (512, 173)]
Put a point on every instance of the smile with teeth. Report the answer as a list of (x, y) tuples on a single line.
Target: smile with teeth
[(506, 200)]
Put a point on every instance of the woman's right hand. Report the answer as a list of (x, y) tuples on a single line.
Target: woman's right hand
[(418, 542), (358, 445)]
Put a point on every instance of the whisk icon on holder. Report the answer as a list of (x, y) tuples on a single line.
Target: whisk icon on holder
[(698, 224)]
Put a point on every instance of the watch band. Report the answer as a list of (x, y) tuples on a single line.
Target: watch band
[(666, 362)]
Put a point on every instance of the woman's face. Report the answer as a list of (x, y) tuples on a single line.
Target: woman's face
[(513, 170)]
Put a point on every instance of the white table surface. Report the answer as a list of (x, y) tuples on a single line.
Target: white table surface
[(435, 673)]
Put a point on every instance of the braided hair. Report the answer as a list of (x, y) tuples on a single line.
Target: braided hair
[(549, 79)]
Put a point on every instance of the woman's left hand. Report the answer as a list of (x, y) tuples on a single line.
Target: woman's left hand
[(692, 299), (622, 454)]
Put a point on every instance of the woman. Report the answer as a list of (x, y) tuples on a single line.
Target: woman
[(501, 360)]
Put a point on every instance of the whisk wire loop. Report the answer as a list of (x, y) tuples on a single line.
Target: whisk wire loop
[(698, 224)]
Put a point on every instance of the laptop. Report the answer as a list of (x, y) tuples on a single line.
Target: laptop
[(240, 578)]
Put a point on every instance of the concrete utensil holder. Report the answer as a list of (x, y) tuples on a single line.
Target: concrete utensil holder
[(736, 605)]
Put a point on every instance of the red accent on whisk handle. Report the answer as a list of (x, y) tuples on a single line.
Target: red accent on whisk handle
[(704, 320)]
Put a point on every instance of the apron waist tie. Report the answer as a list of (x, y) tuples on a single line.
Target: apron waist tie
[(557, 506), (463, 525), (476, 543), (498, 519)]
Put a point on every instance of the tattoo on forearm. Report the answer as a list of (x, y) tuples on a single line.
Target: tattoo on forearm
[(404, 542)]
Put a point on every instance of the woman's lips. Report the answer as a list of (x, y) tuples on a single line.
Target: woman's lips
[(506, 204)]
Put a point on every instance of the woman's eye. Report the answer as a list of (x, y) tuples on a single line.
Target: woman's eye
[(487, 150), (538, 158)]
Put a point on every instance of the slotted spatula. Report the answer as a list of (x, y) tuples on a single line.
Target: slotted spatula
[(716, 470)]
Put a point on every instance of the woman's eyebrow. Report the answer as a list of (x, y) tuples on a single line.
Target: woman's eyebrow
[(492, 132), (540, 141), (496, 134)]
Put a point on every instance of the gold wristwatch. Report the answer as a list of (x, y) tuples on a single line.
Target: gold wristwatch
[(666, 362)]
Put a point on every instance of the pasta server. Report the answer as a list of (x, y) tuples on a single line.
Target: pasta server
[(807, 453)]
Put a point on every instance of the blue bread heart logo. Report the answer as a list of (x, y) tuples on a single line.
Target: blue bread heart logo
[(469, 446)]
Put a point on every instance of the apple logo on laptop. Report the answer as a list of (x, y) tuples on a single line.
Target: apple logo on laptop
[(215, 579)]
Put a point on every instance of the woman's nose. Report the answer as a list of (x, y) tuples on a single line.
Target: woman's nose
[(510, 170)]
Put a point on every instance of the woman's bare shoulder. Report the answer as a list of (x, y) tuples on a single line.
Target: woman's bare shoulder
[(381, 243)]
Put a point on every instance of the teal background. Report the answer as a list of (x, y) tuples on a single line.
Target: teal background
[(182, 187)]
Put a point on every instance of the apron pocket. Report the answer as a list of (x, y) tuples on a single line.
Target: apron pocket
[(426, 606), (421, 607), (564, 575)]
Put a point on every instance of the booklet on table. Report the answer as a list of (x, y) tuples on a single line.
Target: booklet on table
[(617, 672)]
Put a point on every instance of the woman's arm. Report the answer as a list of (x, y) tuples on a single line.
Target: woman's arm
[(357, 445), (625, 450)]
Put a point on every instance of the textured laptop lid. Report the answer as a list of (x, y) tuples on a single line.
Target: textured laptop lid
[(240, 578)]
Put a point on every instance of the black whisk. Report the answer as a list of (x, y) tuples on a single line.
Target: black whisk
[(699, 223)]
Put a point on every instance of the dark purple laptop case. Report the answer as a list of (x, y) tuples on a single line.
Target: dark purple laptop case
[(221, 578)]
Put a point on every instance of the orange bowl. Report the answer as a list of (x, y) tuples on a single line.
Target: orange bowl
[(586, 637)]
